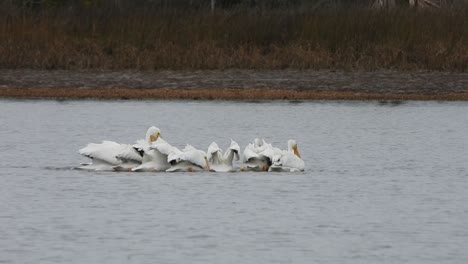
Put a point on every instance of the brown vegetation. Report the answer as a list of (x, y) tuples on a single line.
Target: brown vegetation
[(212, 94), (149, 38)]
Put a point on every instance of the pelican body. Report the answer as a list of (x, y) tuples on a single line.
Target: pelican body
[(288, 160), (104, 156), (155, 156), (109, 155), (257, 156)]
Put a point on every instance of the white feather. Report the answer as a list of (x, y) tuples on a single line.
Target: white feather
[(189, 158), (222, 163), (104, 155), (257, 156), (155, 156), (110, 155), (287, 160)]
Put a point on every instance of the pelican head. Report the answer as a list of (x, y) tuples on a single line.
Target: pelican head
[(292, 146), (153, 134)]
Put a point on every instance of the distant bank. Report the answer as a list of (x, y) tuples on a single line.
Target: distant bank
[(234, 85)]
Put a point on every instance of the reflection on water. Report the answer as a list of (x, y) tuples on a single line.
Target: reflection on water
[(385, 183), (390, 102)]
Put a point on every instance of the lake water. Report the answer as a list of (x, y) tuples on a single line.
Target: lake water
[(385, 182)]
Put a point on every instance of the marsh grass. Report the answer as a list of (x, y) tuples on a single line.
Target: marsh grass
[(149, 38)]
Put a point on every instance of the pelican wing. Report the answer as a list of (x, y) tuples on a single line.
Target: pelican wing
[(268, 153), (155, 156), (163, 147), (264, 151), (190, 154), (105, 151), (195, 156), (141, 145), (249, 153), (178, 156), (214, 153), (233, 148), (231, 153), (132, 153)]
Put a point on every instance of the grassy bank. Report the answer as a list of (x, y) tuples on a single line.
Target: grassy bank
[(150, 38)]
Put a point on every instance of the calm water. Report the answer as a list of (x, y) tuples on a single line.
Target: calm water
[(384, 183)]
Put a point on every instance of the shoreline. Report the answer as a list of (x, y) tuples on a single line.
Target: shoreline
[(235, 84), (213, 94)]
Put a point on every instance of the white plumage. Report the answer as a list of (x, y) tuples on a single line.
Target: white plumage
[(257, 156), (155, 154), (103, 155), (110, 155), (189, 159), (288, 160), (220, 162)]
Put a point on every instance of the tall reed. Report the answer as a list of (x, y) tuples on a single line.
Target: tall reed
[(152, 38)]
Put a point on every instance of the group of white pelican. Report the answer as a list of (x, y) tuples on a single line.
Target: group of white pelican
[(155, 154)]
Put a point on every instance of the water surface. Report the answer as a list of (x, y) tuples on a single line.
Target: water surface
[(384, 183)]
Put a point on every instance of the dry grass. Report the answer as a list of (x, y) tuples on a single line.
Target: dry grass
[(212, 94), (147, 39)]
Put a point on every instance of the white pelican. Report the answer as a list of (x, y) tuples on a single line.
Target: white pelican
[(155, 156), (258, 156), (288, 160), (222, 163), (142, 148), (189, 159), (110, 155)]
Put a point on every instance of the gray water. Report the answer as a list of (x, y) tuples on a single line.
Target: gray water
[(384, 183)]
